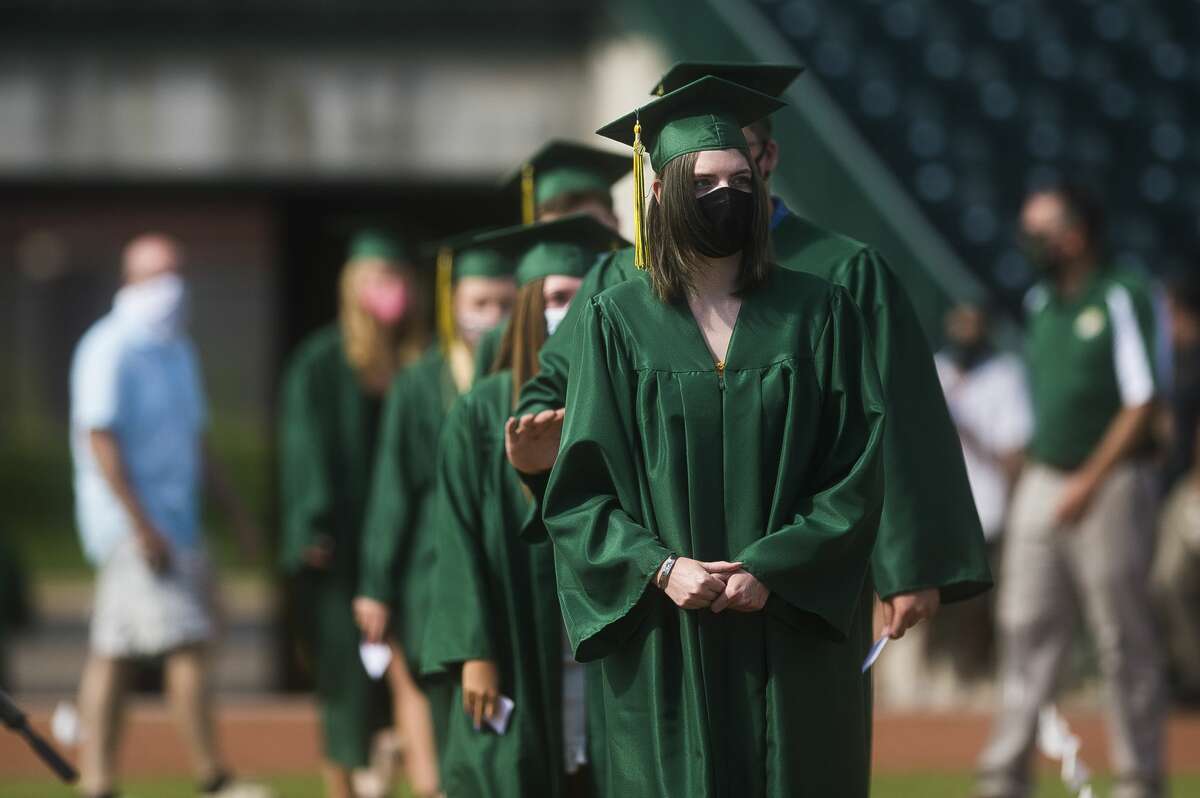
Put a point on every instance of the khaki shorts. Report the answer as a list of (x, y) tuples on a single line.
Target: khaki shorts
[(139, 613)]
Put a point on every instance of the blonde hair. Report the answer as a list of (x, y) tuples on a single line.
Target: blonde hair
[(374, 350)]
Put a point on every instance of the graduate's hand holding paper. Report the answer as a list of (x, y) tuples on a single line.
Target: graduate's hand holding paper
[(372, 618), (743, 593), (531, 441), (905, 610), (481, 690), (694, 585)]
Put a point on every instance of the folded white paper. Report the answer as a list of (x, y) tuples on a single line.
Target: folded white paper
[(499, 719), (375, 658), (874, 653)]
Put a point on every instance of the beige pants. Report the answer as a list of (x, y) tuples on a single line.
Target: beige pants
[(1176, 582), (1097, 568)]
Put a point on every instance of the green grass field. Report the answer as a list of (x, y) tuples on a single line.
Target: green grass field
[(919, 786)]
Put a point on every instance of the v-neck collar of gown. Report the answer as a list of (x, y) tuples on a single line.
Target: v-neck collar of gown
[(704, 353)]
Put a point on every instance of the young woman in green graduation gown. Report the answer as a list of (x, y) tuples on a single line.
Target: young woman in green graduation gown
[(495, 627), (329, 418), (715, 499), (475, 293)]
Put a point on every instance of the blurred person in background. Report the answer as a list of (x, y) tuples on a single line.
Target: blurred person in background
[(989, 404), (331, 401), (137, 438), (1183, 314), (1176, 574), (1079, 534), (475, 292), (495, 627)]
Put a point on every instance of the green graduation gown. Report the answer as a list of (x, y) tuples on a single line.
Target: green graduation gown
[(399, 538), (775, 463), (327, 436), (930, 534), (494, 598)]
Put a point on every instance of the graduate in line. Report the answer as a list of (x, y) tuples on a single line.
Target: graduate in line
[(930, 546), (495, 628), (561, 179), (329, 419), (715, 501), (475, 291)]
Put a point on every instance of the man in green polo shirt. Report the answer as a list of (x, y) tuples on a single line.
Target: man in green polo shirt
[(1080, 532)]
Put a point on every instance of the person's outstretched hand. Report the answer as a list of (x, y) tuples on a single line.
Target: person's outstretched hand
[(531, 441)]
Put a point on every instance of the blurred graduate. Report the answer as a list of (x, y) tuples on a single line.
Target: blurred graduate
[(560, 179), (330, 410), (475, 293), (495, 628)]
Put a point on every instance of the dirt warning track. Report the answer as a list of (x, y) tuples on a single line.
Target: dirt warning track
[(280, 736)]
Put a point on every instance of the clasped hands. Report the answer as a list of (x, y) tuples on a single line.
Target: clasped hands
[(719, 585)]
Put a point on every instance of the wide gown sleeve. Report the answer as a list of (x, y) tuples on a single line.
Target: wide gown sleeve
[(388, 501), (817, 563), (930, 536), (305, 489), (458, 629), (605, 556)]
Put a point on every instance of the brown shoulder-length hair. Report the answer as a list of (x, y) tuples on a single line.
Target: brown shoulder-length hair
[(674, 225), (523, 336)]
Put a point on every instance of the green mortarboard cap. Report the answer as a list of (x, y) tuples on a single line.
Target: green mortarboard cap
[(375, 244), (772, 79), (565, 246), (471, 258), (564, 167), (481, 262), (706, 114), (463, 256)]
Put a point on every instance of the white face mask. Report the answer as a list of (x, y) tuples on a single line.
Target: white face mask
[(156, 307), (473, 326), (554, 317)]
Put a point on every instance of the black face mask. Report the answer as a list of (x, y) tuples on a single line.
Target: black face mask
[(969, 355), (727, 216), (1039, 250)]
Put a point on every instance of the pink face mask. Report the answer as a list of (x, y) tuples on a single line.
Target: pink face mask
[(385, 297)]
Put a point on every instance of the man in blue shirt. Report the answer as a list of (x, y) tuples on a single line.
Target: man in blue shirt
[(137, 420)]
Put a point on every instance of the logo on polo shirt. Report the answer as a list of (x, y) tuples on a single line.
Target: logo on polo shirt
[(1089, 323)]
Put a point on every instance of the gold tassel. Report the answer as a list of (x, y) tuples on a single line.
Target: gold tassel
[(528, 208), (445, 313), (641, 258)]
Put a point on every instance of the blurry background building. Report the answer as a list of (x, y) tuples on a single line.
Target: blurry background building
[(261, 132)]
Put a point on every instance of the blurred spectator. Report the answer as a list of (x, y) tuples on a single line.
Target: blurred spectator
[(1078, 534), (329, 425), (1183, 311), (1176, 575), (137, 418), (988, 400), (989, 403)]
